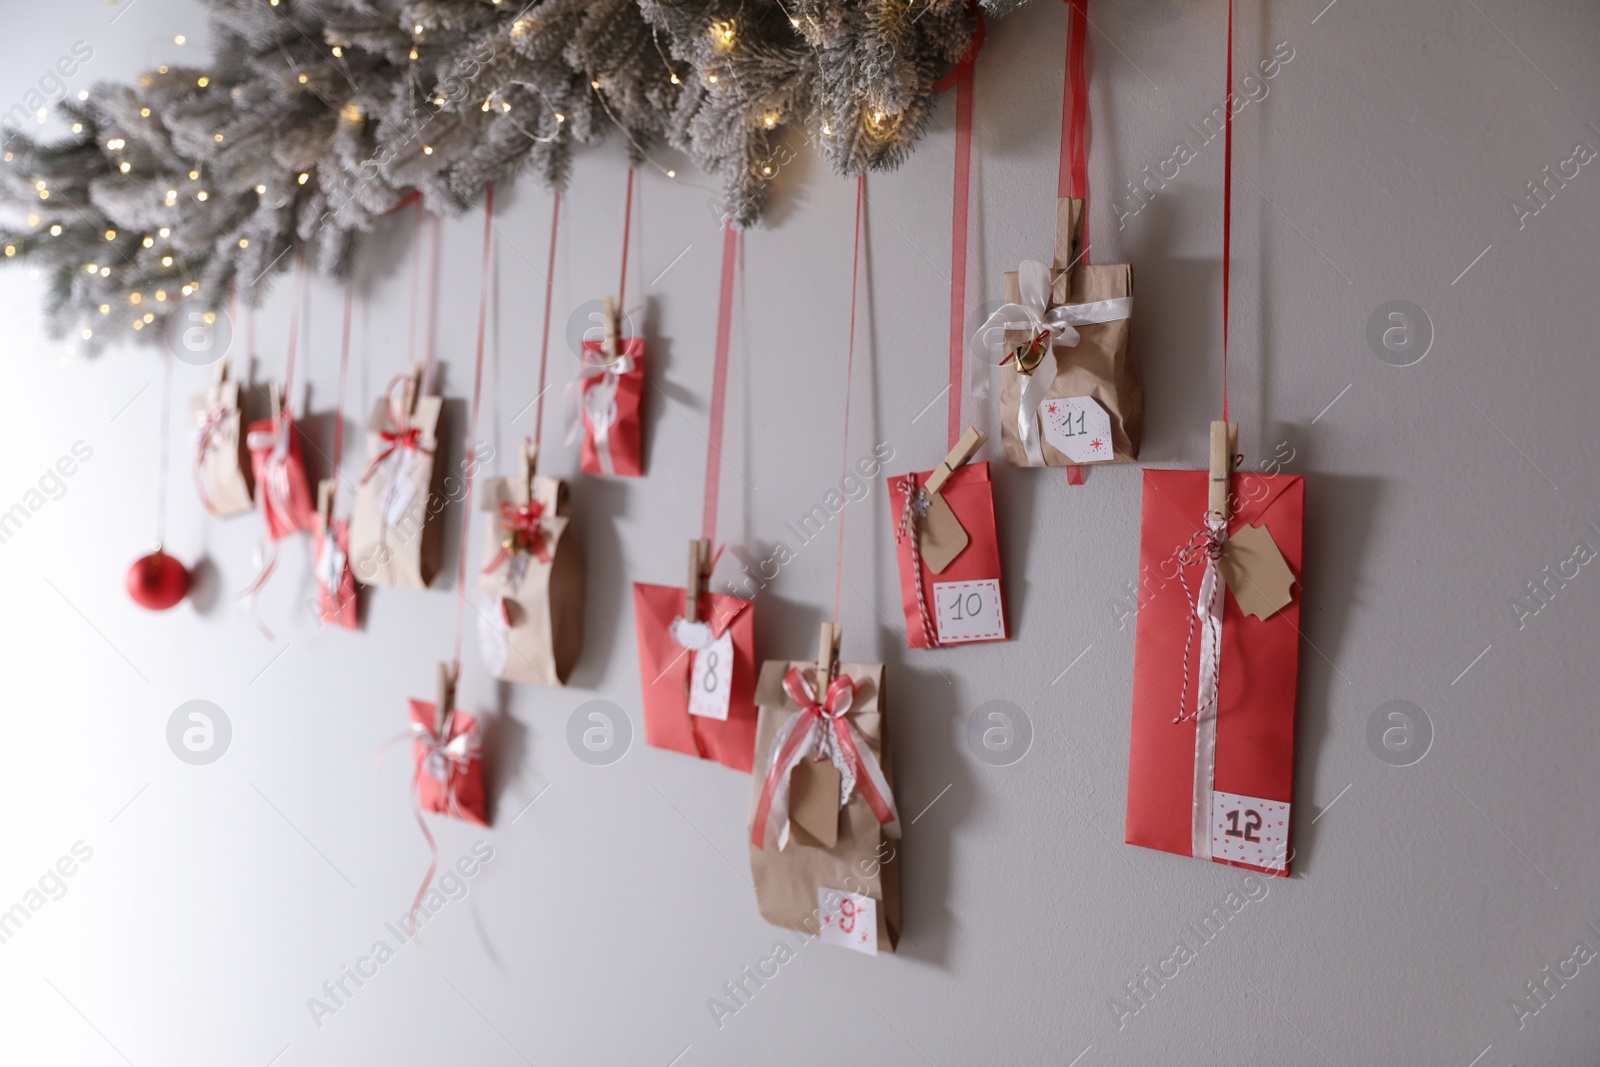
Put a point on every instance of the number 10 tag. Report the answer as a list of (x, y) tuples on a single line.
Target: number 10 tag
[(968, 611), (711, 678)]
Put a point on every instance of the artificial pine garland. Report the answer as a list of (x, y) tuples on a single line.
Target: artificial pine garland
[(318, 116)]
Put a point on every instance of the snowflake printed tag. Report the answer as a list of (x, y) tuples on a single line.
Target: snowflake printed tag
[(1078, 426), (1249, 830), (849, 920), (395, 499), (711, 678)]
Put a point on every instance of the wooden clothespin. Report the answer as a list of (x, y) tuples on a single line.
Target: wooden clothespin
[(699, 563), (413, 388), (219, 373), (447, 699), (324, 504), (827, 654), (1224, 445), (275, 392), (970, 442), (613, 328), (527, 464)]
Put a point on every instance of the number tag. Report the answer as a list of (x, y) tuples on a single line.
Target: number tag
[(968, 611), (711, 678), (1079, 427), (1249, 830), (849, 920)]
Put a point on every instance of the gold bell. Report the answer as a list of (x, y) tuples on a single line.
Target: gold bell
[(1027, 356)]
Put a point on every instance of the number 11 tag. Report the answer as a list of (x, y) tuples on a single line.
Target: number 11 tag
[(711, 678)]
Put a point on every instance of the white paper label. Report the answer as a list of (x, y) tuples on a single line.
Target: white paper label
[(1249, 830), (330, 564), (1078, 426), (399, 491), (711, 678), (494, 641), (849, 920), (968, 611)]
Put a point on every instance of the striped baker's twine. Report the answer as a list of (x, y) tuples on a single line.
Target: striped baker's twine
[(1205, 545), (908, 528)]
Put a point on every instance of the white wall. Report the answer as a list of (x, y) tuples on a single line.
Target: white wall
[(1381, 163)]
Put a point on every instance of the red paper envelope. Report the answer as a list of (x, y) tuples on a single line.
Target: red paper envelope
[(611, 434), (281, 487), (336, 586), (668, 672), (1239, 812), (449, 775), (962, 603)]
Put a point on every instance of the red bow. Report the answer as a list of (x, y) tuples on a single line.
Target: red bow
[(407, 437), (521, 522)]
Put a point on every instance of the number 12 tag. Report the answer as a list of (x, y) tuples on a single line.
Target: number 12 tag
[(711, 678), (968, 611)]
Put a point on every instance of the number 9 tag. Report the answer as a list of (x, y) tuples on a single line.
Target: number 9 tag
[(711, 678)]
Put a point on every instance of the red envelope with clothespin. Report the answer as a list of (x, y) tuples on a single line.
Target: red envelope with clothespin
[(697, 670), (948, 551), (449, 768), (280, 475), (1216, 668)]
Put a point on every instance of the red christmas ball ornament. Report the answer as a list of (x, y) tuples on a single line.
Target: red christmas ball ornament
[(157, 581)]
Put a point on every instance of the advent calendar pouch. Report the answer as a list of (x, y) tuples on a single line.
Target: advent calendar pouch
[(281, 486), (533, 572), (1217, 783), (449, 766), (221, 472), (699, 679), (825, 861), (950, 588), (394, 537), (611, 395)]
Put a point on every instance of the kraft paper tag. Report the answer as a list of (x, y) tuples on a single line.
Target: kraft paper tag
[(1256, 572), (814, 803), (940, 536)]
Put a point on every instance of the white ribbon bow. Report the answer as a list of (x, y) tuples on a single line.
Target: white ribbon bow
[(1035, 315), (277, 470), (599, 404)]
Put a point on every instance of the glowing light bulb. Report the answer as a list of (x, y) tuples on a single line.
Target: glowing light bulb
[(675, 79), (304, 177), (87, 333), (560, 117), (144, 112), (795, 23), (193, 175), (105, 309), (92, 267), (134, 298), (148, 241), (180, 39), (202, 81), (413, 53), (111, 235), (338, 53), (303, 79), (672, 174), (105, 272), (149, 316), (165, 231), (427, 149), (137, 324), (166, 261), (712, 78), (244, 242), (124, 166), (217, 138), (11, 250), (161, 294), (417, 29), (261, 190), (201, 195)]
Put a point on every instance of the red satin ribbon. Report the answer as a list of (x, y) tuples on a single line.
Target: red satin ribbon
[(627, 225), (210, 422), (544, 340), (961, 77), (522, 519), (1227, 208), (1072, 179), (849, 371), (811, 710), (719, 383)]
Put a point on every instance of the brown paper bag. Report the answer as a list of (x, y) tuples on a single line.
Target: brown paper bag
[(1101, 365), (863, 859), (533, 573), (394, 531), (222, 469)]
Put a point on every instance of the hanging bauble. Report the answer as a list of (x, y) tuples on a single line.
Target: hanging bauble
[(157, 581)]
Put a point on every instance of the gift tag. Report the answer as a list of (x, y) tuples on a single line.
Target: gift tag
[(968, 611), (1249, 830), (398, 493), (1256, 572), (940, 536), (814, 803), (848, 920), (330, 563), (711, 677), (494, 638), (1078, 426)]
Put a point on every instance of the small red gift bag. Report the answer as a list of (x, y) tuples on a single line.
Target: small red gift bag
[(699, 678), (336, 586), (1211, 759), (612, 391), (280, 475), (449, 776), (949, 556)]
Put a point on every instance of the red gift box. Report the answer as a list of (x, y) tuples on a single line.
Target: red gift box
[(449, 775), (610, 402), (1217, 783), (963, 603), (336, 586), (280, 474), (665, 673)]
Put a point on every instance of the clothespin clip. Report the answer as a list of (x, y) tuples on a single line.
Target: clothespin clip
[(324, 504), (275, 392), (827, 654), (447, 699), (219, 373), (527, 464), (970, 442), (699, 563), (613, 328), (1224, 445), (413, 388)]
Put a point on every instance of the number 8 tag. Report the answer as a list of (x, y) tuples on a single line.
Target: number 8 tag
[(711, 678)]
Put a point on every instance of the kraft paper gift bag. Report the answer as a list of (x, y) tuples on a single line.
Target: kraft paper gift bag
[(394, 535), (822, 866), (1069, 388), (534, 575), (699, 679), (1216, 783), (221, 468), (949, 558)]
